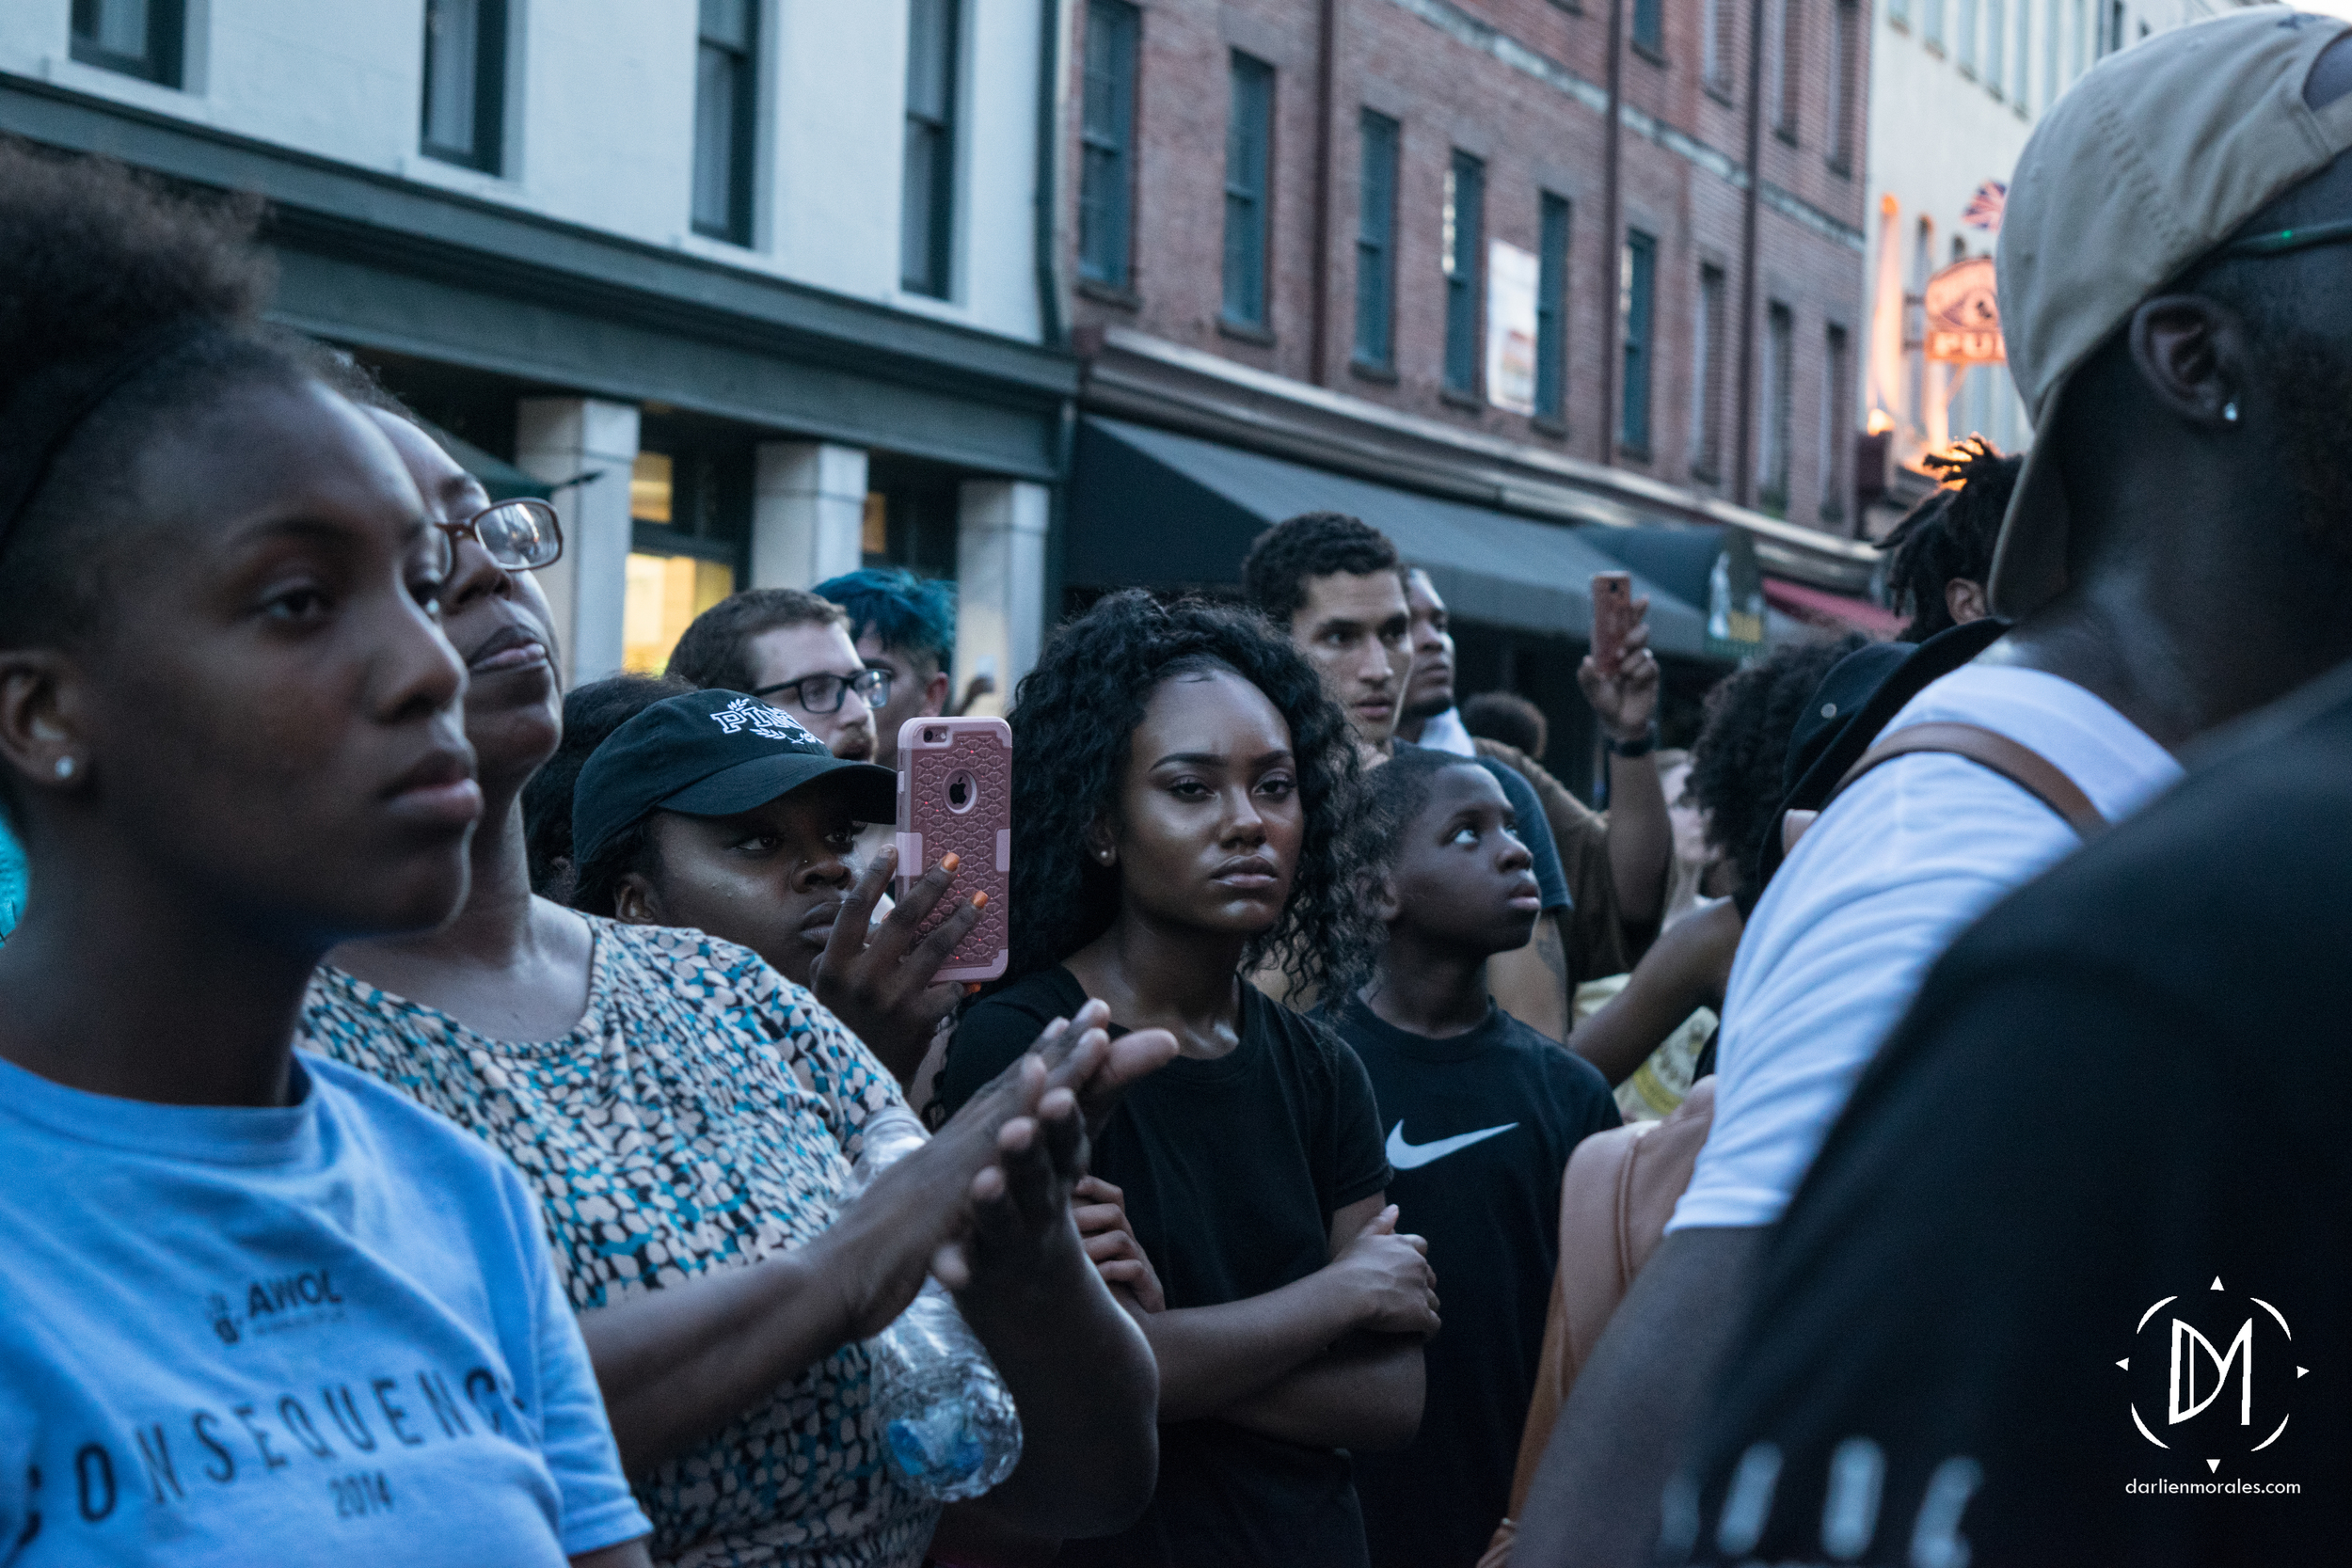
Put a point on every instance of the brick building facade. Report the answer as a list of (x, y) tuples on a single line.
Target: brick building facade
[(1361, 253), (1512, 95)]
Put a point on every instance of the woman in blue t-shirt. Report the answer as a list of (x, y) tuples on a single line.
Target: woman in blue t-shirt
[(1179, 788), (259, 1310)]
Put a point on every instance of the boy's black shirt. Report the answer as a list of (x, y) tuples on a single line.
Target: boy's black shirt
[(1232, 1169), (2120, 1101), (1490, 1209)]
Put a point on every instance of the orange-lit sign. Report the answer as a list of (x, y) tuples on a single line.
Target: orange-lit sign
[(1963, 314)]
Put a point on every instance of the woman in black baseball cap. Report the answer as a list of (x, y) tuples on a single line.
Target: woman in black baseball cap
[(691, 1120)]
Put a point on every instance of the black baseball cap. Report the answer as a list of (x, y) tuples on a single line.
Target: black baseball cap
[(710, 754)]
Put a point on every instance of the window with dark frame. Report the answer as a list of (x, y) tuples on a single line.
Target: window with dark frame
[(1845, 57), (1637, 283), (1789, 74), (145, 39), (1464, 221), (1375, 244), (1715, 45), (727, 106), (1771, 465), (1552, 309), (1837, 442), (927, 207), (1706, 377), (1248, 172), (1106, 133), (464, 82), (1649, 25)]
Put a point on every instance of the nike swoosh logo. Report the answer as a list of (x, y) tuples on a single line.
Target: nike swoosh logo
[(1404, 1156)]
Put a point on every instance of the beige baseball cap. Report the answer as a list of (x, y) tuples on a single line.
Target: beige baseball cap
[(2151, 160)]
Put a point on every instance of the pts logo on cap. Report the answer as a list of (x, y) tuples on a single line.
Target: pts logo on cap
[(773, 722), (2191, 1370)]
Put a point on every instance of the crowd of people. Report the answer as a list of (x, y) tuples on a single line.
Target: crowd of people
[(451, 1118)]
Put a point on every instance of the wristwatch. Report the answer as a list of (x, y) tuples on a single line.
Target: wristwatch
[(1641, 746)]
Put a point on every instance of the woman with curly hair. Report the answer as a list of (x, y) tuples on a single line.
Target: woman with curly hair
[(1180, 785)]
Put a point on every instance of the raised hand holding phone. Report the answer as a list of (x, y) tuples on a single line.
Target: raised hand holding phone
[(955, 799), (1619, 677)]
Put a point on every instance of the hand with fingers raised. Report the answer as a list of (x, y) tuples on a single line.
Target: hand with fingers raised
[(1626, 702), (880, 980)]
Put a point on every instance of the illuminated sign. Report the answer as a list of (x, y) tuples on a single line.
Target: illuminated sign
[(1963, 314)]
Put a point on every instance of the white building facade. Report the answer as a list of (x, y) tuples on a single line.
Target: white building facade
[(1956, 86), (756, 289)]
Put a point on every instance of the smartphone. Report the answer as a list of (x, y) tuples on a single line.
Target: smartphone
[(1613, 618), (955, 797)]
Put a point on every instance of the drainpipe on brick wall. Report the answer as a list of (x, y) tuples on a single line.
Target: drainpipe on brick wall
[(1743, 473), (1051, 329), (1319, 300), (1611, 290)]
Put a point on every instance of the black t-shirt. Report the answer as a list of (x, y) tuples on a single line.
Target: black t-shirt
[(1480, 1128), (2119, 1104), (1232, 1169)]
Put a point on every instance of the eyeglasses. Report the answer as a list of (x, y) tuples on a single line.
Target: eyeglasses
[(825, 694), (2286, 241), (519, 535)]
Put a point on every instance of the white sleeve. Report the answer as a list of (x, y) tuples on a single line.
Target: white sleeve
[(1873, 895)]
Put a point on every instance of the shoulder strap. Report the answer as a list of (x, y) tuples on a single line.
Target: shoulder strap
[(2021, 765)]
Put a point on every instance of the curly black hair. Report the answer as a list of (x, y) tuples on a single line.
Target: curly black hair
[(1743, 741), (105, 274), (1071, 723), (1950, 534), (1313, 545), (591, 713)]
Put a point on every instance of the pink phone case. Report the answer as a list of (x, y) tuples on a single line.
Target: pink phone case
[(955, 797)]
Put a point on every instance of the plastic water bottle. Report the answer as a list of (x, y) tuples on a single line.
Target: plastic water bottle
[(949, 1429)]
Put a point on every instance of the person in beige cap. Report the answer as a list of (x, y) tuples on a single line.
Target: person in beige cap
[(2178, 553)]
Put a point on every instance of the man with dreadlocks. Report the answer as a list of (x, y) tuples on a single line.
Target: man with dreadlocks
[(1940, 556)]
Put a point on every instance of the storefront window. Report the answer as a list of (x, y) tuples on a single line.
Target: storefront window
[(665, 593), (650, 484)]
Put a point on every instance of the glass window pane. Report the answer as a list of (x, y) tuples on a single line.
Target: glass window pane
[(1106, 132), (122, 26), (714, 139), (660, 597), (1464, 223), (929, 34), (1551, 308), (927, 190), (1247, 135), (453, 32), (728, 23), (1375, 251)]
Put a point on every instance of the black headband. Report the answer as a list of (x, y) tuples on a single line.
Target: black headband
[(52, 405)]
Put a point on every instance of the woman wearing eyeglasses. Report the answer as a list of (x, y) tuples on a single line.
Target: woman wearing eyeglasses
[(793, 649), (689, 1120)]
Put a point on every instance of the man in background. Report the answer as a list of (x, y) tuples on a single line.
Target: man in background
[(904, 626), (792, 649), (1335, 585)]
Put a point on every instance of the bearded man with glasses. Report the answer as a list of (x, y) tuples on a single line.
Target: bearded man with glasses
[(792, 649)]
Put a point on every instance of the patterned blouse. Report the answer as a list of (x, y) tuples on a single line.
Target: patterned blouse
[(704, 1114)]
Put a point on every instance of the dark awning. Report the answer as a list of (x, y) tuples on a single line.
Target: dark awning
[(1152, 509)]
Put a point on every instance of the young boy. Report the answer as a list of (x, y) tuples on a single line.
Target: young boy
[(1481, 1112)]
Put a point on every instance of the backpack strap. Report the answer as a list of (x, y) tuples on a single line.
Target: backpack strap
[(2021, 765)]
